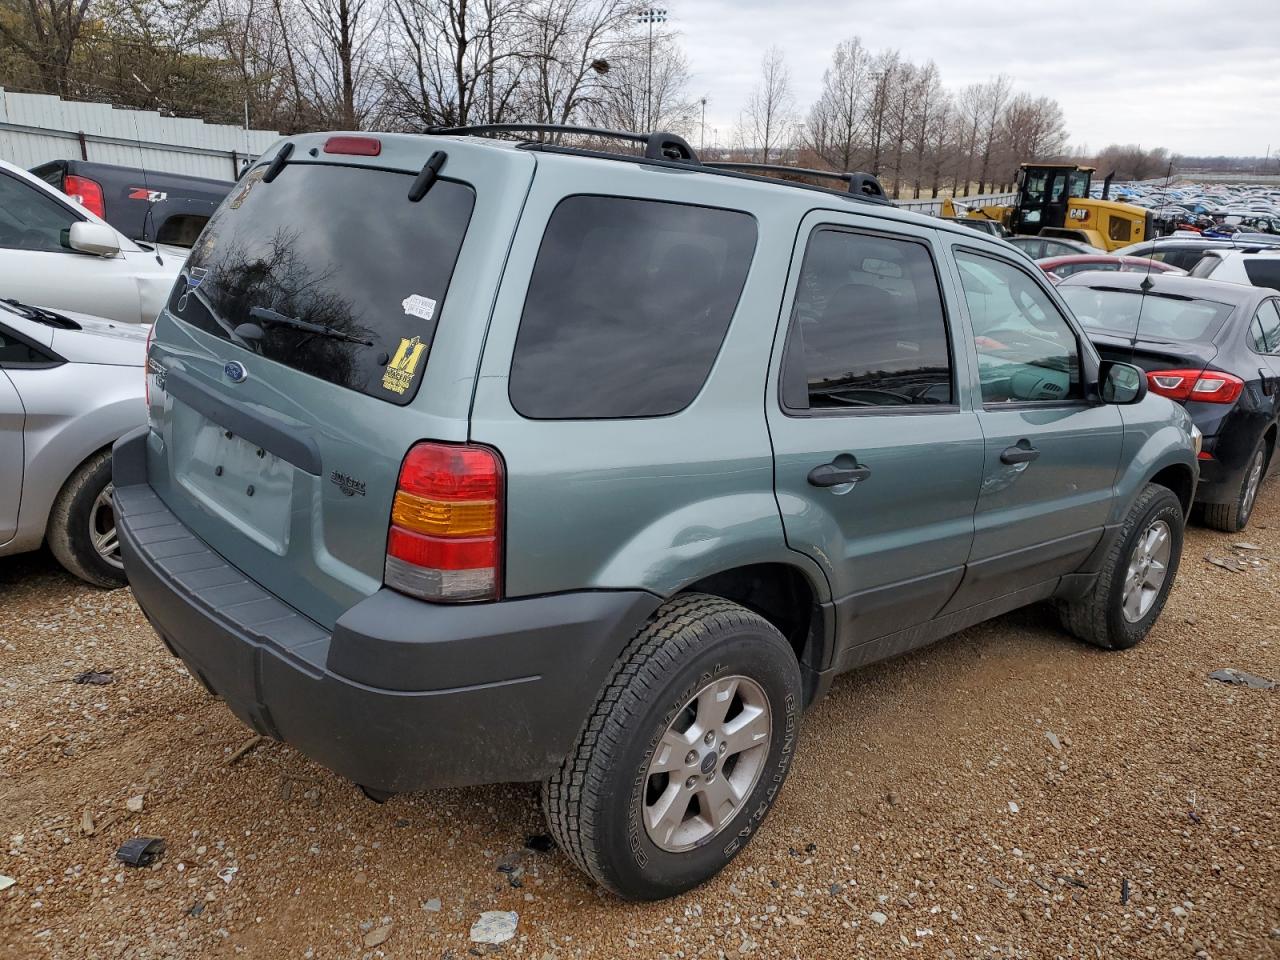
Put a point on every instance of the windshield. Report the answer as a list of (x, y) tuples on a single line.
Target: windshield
[(334, 246), (1163, 318)]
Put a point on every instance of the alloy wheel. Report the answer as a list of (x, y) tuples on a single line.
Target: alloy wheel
[(1148, 568), (707, 763)]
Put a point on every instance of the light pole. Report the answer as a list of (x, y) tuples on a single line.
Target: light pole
[(650, 15), (702, 143)]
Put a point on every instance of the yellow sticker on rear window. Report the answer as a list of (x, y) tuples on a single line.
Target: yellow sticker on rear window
[(403, 365)]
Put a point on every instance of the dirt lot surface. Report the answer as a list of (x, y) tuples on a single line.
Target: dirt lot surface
[(1005, 793)]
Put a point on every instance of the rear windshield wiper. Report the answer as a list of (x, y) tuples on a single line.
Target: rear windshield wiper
[(265, 315), (40, 314)]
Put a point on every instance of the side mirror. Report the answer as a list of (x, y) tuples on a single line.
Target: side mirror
[(95, 238), (1122, 383)]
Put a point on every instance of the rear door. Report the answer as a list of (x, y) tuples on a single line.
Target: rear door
[(878, 456), (1051, 455)]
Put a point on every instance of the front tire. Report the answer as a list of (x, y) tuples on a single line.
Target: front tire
[(684, 753), (82, 526), (1136, 576)]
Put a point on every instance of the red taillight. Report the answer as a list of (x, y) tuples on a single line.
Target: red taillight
[(445, 541), (86, 192), (1204, 455), (354, 146), (1207, 386)]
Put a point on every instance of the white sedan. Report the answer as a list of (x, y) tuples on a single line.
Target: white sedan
[(56, 253)]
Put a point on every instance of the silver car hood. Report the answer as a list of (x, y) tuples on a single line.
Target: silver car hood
[(102, 341)]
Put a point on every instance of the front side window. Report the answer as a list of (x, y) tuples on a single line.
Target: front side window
[(1027, 351), (628, 304), (1266, 328), (1080, 183), (29, 220), (868, 328)]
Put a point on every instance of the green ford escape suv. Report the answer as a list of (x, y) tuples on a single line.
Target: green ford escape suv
[(474, 460)]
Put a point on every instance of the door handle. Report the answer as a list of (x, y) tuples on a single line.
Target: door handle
[(843, 469), (1020, 452)]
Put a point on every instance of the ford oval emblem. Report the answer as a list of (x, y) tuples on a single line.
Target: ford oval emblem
[(234, 371)]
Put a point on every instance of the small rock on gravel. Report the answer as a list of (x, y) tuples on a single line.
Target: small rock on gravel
[(495, 926), (378, 935), (1053, 739), (878, 917), (432, 905), (134, 804)]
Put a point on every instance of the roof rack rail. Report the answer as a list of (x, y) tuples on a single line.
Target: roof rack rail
[(864, 184), (658, 145), (668, 148)]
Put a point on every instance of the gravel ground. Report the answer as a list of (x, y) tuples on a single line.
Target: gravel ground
[(1007, 792)]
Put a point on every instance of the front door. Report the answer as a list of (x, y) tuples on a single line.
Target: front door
[(878, 456), (37, 266), (1051, 454)]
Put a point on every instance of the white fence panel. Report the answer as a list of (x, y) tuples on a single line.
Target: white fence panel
[(36, 128)]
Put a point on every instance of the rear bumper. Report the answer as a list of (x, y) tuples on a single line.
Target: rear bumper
[(401, 695)]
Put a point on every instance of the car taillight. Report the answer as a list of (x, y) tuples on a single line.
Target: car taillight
[(1208, 386), (445, 541), (86, 192)]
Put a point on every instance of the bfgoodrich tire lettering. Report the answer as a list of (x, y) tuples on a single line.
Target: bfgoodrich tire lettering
[(1099, 618), (595, 804)]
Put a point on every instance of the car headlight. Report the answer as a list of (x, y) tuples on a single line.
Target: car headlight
[(1197, 439)]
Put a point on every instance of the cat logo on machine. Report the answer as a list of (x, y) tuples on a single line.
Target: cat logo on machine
[(403, 365), (1079, 213)]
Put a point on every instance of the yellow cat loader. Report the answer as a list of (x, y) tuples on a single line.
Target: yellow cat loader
[(1053, 201)]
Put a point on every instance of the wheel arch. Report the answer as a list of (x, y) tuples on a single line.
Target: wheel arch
[(784, 595), (1179, 478)]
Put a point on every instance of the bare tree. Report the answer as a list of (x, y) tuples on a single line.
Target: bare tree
[(835, 129), (993, 96), (767, 122), (338, 68), (568, 45), (619, 100), (52, 30), (458, 60)]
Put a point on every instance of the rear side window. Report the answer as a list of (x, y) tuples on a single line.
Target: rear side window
[(1263, 272), (628, 304), (868, 329), (341, 248), (1264, 332)]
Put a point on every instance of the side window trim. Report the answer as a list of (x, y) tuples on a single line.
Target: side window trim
[(1258, 333), (1041, 282), (788, 371)]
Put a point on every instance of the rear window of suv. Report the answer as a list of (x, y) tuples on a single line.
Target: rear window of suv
[(628, 304), (340, 247)]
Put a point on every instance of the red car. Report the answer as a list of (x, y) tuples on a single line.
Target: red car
[(1059, 268)]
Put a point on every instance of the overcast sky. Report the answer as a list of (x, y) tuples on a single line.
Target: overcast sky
[(1196, 76)]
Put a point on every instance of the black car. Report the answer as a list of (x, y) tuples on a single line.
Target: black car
[(1212, 346), (142, 204)]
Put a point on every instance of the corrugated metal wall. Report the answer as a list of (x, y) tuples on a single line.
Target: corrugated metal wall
[(35, 128)]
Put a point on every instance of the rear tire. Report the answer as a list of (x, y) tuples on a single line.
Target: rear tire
[(1126, 600), (1234, 516), (83, 520), (613, 807)]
